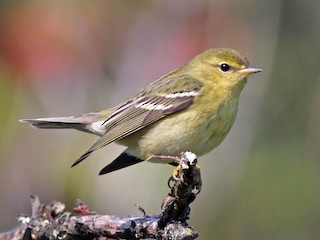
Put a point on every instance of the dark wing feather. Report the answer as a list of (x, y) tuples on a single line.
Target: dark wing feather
[(151, 104), (124, 160)]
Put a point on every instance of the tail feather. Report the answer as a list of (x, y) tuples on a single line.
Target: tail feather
[(53, 123), (89, 122)]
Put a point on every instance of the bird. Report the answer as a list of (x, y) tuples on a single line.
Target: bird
[(191, 109)]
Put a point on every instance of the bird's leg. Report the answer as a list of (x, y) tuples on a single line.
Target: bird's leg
[(174, 160), (167, 158)]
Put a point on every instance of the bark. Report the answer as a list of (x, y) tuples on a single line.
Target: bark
[(53, 222)]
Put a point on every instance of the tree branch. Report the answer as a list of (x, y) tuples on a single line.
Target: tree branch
[(52, 222)]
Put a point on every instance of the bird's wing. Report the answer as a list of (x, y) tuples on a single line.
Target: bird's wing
[(151, 104)]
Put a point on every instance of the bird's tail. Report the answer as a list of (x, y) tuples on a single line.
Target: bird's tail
[(53, 123), (90, 122)]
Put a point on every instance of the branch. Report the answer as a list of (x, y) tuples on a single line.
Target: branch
[(52, 222)]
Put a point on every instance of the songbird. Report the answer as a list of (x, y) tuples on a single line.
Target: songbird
[(189, 109)]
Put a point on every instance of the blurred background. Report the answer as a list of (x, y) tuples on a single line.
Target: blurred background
[(72, 57)]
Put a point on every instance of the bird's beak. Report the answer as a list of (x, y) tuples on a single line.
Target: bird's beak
[(250, 70)]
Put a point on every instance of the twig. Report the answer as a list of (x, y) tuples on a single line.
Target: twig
[(52, 222)]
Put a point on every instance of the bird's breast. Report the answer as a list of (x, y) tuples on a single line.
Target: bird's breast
[(187, 130)]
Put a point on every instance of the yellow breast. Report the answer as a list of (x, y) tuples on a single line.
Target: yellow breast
[(194, 129)]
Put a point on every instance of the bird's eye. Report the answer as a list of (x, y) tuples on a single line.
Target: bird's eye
[(224, 67)]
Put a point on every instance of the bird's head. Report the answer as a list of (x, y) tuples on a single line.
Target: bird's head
[(222, 66)]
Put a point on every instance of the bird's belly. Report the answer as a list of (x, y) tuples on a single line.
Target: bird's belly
[(182, 132)]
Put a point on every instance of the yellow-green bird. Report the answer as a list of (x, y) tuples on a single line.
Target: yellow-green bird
[(189, 109)]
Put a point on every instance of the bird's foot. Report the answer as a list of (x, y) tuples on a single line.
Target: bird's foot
[(188, 167)]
